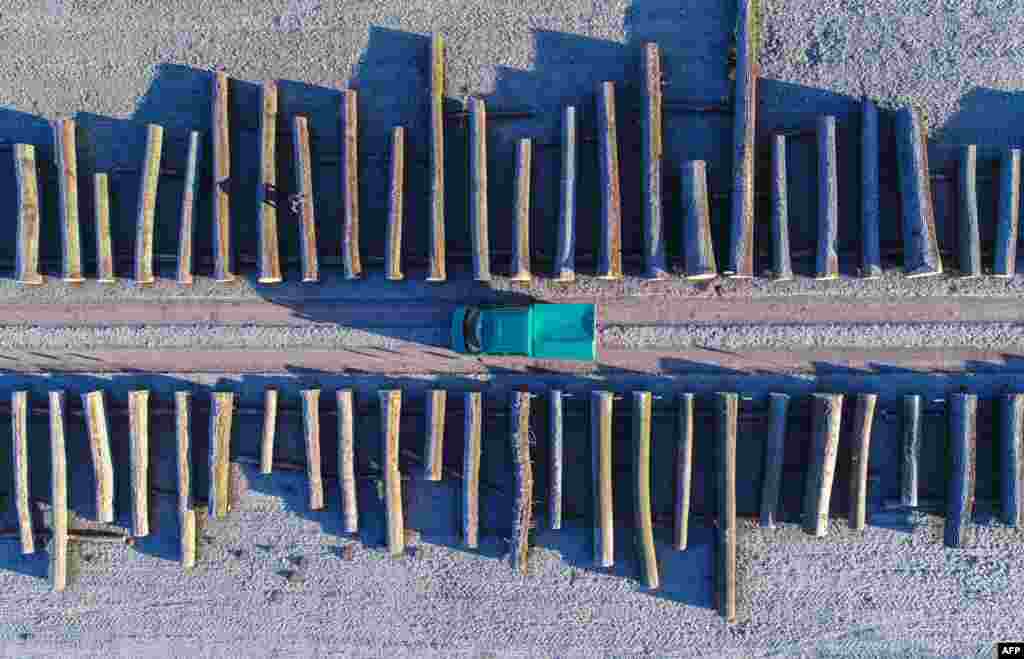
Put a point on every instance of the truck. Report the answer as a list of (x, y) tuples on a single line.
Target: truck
[(544, 331)]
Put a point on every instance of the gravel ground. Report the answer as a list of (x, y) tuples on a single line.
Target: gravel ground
[(979, 336), (892, 592), (273, 580)]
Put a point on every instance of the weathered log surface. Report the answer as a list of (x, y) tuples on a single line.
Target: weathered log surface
[(471, 470), (522, 507)]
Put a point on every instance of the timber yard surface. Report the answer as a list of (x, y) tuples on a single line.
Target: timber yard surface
[(325, 559)]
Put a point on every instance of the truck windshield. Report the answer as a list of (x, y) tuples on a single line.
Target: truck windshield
[(472, 330)]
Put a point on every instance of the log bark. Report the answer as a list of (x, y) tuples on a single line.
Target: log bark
[(189, 200), (556, 451), (522, 507), (774, 458), (433, 464), (601, 471), (347, 462), (684, 471), (478, 212), (782, 263), (22, 499), (391, 410), (968, 226), (565, 256), (27, 255), (870, 208), (611, 194), (654, 238), (863, 418), (267, 197), (920, 245), (726, 418), (269, 429), (1011, 455), (58, 494), (437, 268), (102, 460), (221, 196), (471, 470), (963, 432), (138, 438), (911, 449), (352, 259), (186, 512), (741, 231), (311, 432), (827, 416), (396, 206), (221, 413), (145, 212), (304, 187), (65, 150), (642, 522)]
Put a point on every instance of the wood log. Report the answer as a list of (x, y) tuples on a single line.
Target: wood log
[(522, 507), (870, 208), (827, 416), (864, 415), (781, 261), (66, 154), (684, 471), (145, 212), (186, 512), (391, 410), (269, 430), (22, 498), (471, 470), (726, 419), (968, 233), (1011, 457), (102, 460), (774, 458), (828, 199), (556, 453), (221, 196), (347, 462), (221, 415), (396, 206), (520, 270), (267, 197), (741, 228), (911, 450), (26, 267), (565, 254), (437, 269), (138, 440), (307, 203), (963, 433), (920, 245), (643, 524), (311, 432), (433, 463), (104, 246), (189, 200), (611, 193), (478, 211), (58, 494), (1009, 214), (351, 258), (601, 471), (654, 238)]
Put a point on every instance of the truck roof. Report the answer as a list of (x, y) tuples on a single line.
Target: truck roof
[(564, 331)]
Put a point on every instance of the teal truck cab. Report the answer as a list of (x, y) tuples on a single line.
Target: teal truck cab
[(545, 331)]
